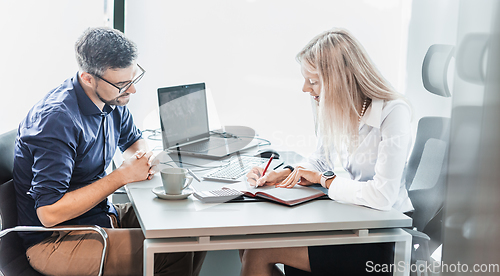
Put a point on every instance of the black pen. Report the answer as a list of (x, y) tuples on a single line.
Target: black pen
[(179, 156)]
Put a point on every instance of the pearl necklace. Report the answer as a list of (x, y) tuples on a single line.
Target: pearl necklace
[(362, 111)]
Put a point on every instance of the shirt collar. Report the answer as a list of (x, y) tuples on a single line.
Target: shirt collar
[(87, 106), (373, 114)]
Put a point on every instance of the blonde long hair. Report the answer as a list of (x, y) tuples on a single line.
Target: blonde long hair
[(348, 78)]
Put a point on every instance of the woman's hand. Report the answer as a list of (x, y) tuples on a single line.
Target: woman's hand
[(301, 176), (255, 178)]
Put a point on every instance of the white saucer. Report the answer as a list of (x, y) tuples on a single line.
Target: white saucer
[(160, 192)]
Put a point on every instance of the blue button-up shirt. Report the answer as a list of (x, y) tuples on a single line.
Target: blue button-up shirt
[(65, 143)]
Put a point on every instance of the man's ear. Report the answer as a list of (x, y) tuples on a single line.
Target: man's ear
[(87, 79)]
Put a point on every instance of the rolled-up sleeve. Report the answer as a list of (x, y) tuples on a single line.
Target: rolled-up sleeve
[(129, 133), (52, 143), (382, 191)]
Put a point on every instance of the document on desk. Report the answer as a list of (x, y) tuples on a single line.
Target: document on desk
[(287, 196)]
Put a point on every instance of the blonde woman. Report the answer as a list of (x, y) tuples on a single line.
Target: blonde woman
[(362, 121)]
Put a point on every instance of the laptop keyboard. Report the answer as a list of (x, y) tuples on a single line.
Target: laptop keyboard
[(208, 145), (237, 167)]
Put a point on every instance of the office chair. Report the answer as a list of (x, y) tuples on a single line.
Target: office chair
[(13, 261), (426, 184), (426, 170)]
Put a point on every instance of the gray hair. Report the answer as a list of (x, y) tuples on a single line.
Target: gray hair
[(99, 49)]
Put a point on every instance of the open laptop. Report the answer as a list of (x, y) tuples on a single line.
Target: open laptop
[(184, 124)]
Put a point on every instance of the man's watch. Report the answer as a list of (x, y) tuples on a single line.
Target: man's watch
[(325, 176)]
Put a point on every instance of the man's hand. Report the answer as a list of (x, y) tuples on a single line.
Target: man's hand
[(137, 167)]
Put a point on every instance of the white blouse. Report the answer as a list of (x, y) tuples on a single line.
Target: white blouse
[(377, 166)]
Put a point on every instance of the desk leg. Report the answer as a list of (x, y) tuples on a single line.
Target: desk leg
[(402, 256), (149, 257)]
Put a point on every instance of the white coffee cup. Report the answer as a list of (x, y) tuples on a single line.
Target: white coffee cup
[(175, 180)]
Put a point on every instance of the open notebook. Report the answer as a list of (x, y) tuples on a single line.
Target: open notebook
[(287, 196)]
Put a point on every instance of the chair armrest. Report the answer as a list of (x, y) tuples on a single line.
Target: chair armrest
[(95, 228)]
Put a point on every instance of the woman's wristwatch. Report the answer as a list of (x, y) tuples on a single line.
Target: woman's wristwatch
[(289, 167), (325, 176)]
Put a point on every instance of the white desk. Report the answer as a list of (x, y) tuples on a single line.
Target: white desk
[(189, 225)]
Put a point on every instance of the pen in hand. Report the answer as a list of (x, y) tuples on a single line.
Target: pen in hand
[(265, 169)]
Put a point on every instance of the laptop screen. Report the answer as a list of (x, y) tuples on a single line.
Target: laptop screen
[(183, 114)]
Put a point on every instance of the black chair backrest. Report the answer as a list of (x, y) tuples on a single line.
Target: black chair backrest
[(8, 211), (7, 143), (12, 255)]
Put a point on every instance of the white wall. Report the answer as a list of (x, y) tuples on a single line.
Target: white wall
[(432, 22), (37, 49), (245, 52)]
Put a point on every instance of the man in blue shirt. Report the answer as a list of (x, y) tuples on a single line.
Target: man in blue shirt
[(63, 147)]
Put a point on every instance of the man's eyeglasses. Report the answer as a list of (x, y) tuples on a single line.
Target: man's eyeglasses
[(127, 86)]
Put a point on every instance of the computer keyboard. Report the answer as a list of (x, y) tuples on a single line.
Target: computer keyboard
[(237, 167)]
